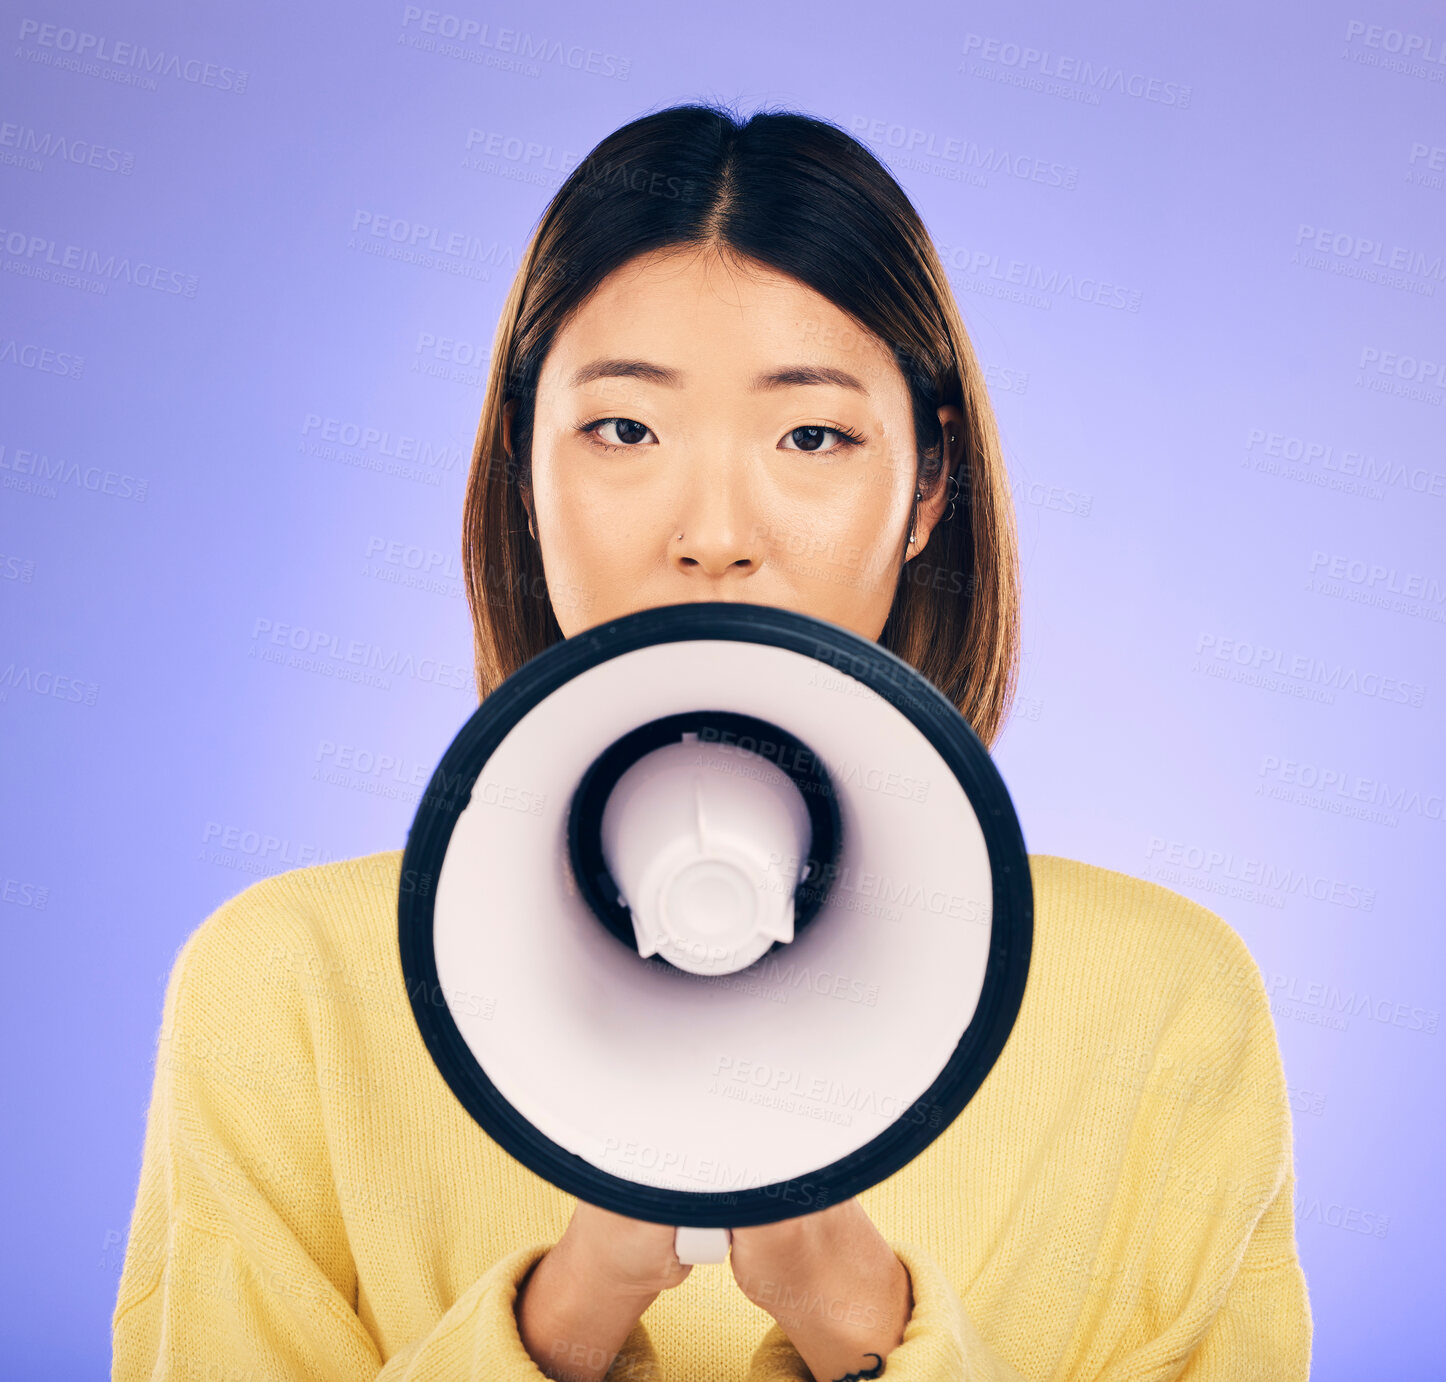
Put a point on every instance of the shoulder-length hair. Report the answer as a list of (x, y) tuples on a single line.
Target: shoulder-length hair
[(803, 197)]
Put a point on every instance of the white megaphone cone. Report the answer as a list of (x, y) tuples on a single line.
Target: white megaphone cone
[(715, 914)]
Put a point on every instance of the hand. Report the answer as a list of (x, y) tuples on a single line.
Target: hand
[(628, 1256), (832, 1282), (580, 1302)]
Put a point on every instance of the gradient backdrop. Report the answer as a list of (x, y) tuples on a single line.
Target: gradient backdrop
[(252, 262)]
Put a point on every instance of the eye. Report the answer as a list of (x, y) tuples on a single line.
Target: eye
[(813, 436), (626, 430)]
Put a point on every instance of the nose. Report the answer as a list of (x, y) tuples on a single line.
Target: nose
[(717, 534)]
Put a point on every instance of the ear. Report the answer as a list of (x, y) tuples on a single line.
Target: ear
[(936, 500)]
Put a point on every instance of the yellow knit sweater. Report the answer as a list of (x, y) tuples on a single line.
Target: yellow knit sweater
[(1114, 1203)]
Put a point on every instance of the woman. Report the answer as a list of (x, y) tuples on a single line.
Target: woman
[(730, 368)]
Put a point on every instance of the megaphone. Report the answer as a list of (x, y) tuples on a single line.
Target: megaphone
[(751, 904)]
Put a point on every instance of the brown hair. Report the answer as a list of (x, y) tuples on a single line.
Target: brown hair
[(803, 197)]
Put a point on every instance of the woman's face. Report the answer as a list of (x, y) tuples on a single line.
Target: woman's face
[(709, 432)]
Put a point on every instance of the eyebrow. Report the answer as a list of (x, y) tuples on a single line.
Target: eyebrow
[(785, 377)]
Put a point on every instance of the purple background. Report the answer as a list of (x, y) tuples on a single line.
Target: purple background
[(1234, 473)]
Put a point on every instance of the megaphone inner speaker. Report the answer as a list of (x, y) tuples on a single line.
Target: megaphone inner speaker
[(726, 831)]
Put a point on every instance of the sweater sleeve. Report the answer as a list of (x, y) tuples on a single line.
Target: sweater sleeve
[(940, 1341), (1226, 1169), (238, 1257), (1262, 1332)]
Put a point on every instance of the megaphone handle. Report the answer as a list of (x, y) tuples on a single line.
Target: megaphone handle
[(702, 1244)]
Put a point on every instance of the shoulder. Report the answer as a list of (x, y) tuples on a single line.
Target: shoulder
[(1091, 905), (304, 921), (1156, 994), (1143, 944)]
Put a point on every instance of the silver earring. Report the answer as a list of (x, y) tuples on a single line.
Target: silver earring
[(953, 480), (918, 494)]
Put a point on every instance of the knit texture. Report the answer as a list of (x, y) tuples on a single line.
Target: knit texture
[(1114, 1205)]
